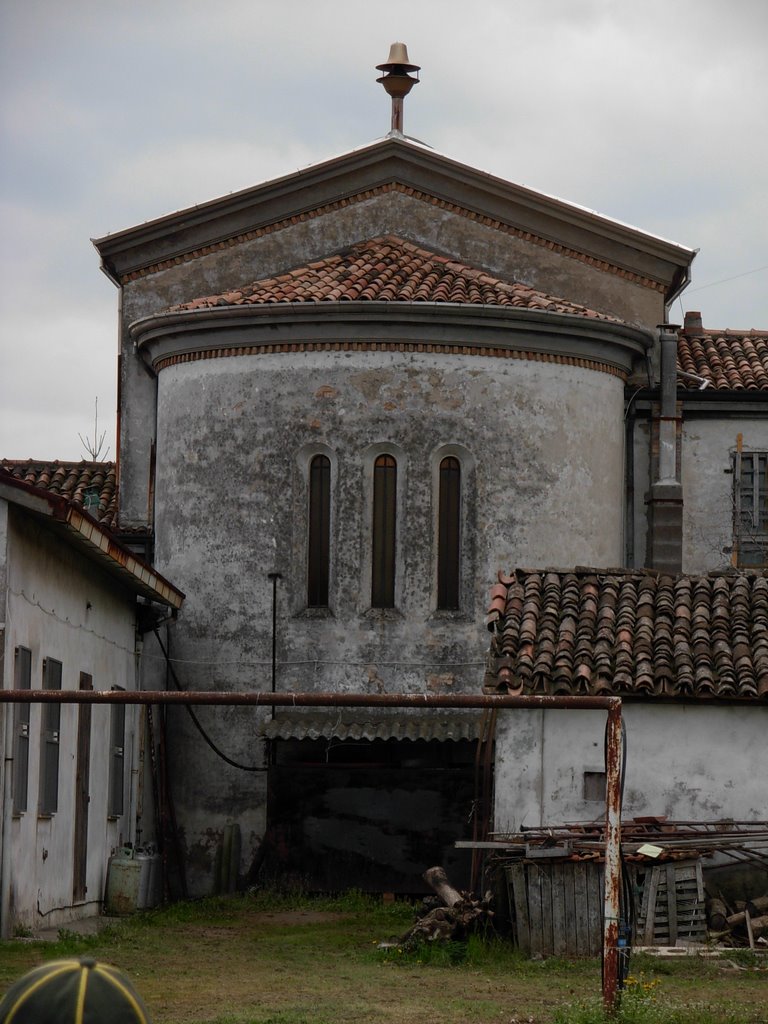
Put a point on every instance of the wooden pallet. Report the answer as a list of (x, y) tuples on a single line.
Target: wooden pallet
[(671, 904)]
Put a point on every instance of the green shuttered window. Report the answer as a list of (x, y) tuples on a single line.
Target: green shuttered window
[(384, 532), (449, 534), (319, 555), (48, 799)]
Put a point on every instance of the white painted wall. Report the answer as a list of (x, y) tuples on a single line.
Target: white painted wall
[(50, 587), (689, 762), (707, 448)]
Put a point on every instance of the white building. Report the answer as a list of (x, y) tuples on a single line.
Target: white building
[(70, 788)]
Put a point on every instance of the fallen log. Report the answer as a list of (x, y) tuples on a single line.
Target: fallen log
[(437, 880), (758, 925), (460, 914), (717, 915), (755, 908)]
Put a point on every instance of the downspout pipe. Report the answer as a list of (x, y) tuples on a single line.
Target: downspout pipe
[(7, 734), (668, 420), (6, 852), (666, 499)]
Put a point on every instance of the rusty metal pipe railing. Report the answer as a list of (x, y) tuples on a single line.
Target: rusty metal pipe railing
[(330, 700), (413, 700)]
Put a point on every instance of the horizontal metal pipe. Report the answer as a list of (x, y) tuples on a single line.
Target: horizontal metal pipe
[(330, 700)]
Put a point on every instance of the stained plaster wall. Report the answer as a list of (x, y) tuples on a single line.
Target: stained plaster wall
[(680, 763), (502, 254), (541, 447), (50, 586), (637, 525), (708, 446)]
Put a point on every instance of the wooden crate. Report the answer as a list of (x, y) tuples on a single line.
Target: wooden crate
[(670, 904), (557, 908)]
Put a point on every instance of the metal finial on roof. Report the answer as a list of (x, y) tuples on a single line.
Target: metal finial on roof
[(397, 81)]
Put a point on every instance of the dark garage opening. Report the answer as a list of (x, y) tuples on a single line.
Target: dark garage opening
[(369, 814)]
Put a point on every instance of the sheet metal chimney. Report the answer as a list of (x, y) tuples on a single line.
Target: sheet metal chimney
[(397, 81), (665, 549)]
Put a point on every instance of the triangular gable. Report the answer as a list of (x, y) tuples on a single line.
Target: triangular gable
[(400, 167)]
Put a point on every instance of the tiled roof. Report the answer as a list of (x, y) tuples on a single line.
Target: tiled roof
[(390, 269), (729, 360), (594, 632), (90, 485)]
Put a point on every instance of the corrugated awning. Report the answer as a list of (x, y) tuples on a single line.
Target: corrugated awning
[(395, 726)]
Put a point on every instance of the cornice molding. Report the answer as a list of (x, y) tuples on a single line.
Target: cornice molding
[(453, 329), (359, 197)]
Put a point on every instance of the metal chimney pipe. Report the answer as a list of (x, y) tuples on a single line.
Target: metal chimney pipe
[(397, 81)]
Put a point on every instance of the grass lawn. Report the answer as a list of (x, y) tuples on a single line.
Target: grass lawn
[(281, 960)]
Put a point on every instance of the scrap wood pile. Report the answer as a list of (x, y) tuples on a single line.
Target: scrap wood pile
[(663, 863), (642, 838), (744, 923), (450, 915)]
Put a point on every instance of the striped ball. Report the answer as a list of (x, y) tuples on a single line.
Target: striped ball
[(73, 992)]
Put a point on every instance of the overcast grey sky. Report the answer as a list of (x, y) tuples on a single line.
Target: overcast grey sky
[(114, 113)]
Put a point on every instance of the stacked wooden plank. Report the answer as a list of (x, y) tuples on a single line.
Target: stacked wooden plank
[(556, 907)]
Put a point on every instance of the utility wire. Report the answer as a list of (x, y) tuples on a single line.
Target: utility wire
[(725, 280), (220, 753), (321, 661)]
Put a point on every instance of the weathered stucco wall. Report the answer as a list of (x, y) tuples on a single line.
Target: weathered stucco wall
[(680, 763), (708, 446), (61, 606), (502, 254), (541, 448)]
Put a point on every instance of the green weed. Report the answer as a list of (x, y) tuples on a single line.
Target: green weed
[(279, 1017), (639, 1008)]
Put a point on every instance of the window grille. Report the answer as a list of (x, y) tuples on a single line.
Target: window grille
[(319, 555), (22, 680), (751, 508), (384, 532), (48, 801)]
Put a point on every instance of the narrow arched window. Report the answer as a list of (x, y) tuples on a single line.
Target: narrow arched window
[(449, 533), (319, 554), (384, 532)]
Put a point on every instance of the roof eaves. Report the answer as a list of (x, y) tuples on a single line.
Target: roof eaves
[(190, 228), (97, 542)]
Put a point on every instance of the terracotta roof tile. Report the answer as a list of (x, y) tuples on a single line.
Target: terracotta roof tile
[(91, 485), (392, 270), (729, 360), (630, 633)]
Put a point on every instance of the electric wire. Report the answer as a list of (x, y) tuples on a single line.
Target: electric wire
[(217, 750), (261, 663), (725, 280)]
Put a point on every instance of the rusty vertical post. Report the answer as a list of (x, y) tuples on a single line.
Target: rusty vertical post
[(613, 766), (397, 114)]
